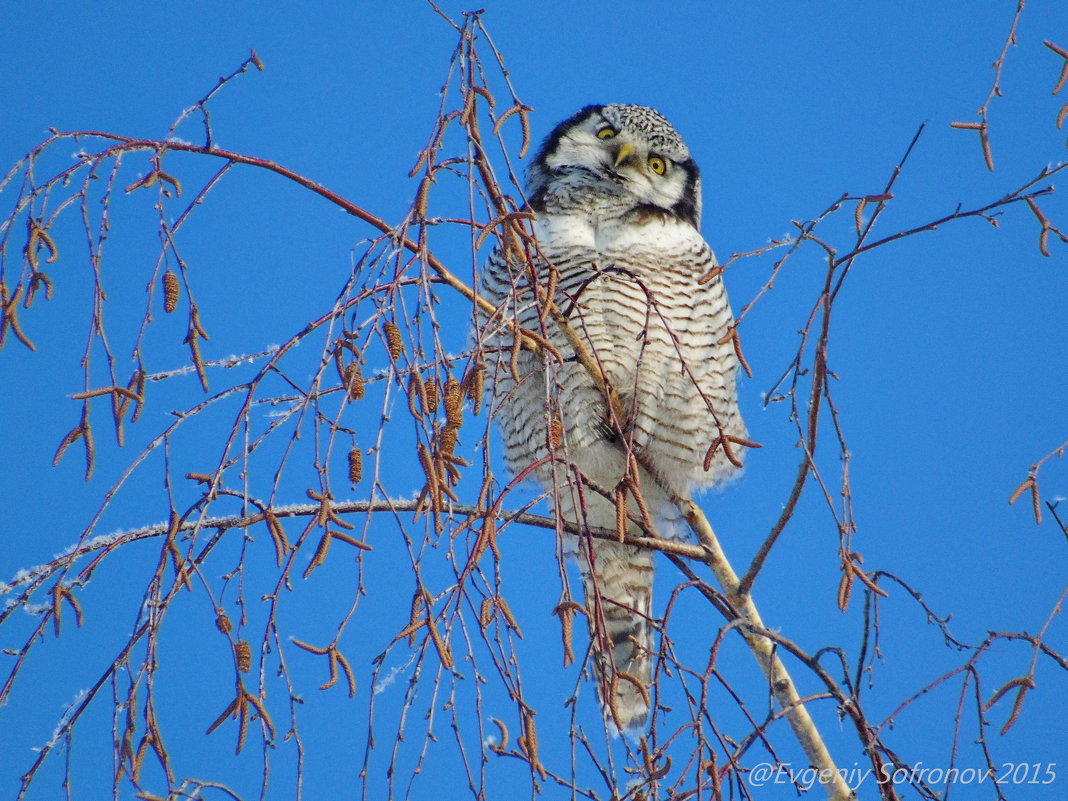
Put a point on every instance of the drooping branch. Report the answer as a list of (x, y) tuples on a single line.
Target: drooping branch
[(107, 542)]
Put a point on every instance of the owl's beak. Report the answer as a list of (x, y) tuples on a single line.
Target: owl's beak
[(624, 154)]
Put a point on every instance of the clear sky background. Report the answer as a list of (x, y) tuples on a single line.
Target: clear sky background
[(950, 347)]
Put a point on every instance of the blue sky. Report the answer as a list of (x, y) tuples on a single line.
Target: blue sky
[(948, 347)]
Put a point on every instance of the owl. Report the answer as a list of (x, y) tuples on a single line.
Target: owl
[(618, 257)]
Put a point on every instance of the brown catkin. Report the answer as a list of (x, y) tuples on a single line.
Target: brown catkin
[(416, 395), (858, 215), (528, 744), (556, 433), (485, 612), (845, 590), (503, 744), (984, 140), (621, 512), (476, 387), (222, 623), (171, 292), (355, 465), (566, 630), (447, 440), (278, 537), (242, 720), (244, 656), (1035, 505), (319, 556), (419, 603), (426, 461), (198, 362), (442, 647), (394, 343), (432, 395), (354, 381), (454, 402), (508, 616)]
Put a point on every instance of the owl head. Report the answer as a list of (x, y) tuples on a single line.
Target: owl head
[(632, 149)]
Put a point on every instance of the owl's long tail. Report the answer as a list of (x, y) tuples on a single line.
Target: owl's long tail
[(618, 581), (618, 584)]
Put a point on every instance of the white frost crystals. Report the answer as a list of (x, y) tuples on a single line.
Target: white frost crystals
[(61, 724)]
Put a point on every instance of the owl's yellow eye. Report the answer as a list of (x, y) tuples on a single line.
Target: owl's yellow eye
[(657, 165), (607, 133)]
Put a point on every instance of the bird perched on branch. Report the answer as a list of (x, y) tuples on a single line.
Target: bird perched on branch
[(637, 406)]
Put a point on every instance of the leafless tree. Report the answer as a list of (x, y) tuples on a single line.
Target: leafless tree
[(350, 470)]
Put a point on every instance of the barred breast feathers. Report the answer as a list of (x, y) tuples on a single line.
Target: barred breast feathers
[(623, 283)]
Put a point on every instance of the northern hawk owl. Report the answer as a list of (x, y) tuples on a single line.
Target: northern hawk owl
[(619, 256)]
